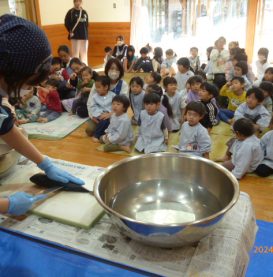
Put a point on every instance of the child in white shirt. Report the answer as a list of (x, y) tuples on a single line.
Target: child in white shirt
[(246, 152), (119, 135), (184, 73), (194, 138)]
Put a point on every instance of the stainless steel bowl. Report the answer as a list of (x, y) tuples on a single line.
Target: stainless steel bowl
[(166, 199)]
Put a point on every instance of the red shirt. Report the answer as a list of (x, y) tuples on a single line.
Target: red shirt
[(53, 101)]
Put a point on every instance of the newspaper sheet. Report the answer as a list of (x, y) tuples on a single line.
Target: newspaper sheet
[(223, 253)]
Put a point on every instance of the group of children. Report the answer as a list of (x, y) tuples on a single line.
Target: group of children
[(165, 102)]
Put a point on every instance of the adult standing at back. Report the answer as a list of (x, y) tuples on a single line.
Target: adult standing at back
[(218, 57), (76, 23)]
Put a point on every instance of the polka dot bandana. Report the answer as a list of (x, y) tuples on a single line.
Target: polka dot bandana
[(23, 46)]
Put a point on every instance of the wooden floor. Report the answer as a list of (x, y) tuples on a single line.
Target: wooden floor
[(79, 148)]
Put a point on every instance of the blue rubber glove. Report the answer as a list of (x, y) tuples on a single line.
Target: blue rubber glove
[(21, 202), (57, 174)]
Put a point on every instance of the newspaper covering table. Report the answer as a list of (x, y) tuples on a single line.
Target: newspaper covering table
[(223, 253)]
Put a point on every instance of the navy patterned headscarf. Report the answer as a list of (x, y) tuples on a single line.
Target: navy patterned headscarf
[(24, 48)]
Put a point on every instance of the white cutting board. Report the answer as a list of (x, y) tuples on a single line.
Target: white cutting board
[(73, 208)]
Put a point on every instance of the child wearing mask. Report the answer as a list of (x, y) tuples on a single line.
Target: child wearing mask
[(136, 95), (194, 138), (236, 95), (153, 134), (30, 106), (246, 152), (53, 107), (119, 134), (101, 109), (207, 93), (184, 73), (254, 110), (177, 101)]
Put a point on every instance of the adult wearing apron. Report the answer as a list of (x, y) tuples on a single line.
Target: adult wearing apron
[(76, 23), (25, 59)]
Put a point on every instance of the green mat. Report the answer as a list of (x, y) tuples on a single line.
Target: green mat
[(56, 129)]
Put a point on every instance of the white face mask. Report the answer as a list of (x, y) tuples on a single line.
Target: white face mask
[(113, 74)]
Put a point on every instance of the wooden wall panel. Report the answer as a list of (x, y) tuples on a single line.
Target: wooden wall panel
[(101, 34)]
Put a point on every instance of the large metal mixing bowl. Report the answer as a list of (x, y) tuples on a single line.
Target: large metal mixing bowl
[(166, 200)]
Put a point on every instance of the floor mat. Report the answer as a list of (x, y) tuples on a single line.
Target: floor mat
[(56, 129), (261, 256)]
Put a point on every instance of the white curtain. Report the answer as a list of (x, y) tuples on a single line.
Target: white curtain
[(140, 27)]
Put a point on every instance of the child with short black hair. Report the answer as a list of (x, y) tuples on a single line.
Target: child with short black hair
[(153, 134), (194, 83), (194, 59), (236, 95), (177, 101), (84, 86), (208, 92), (241, 70), (53, 107), (144, 63), (267, 89), (153, 78), (65, 55), (164, 107), (57, 72), (194, 137), (167, 66), (136, 95), (119, 134), (254, 110), (101, 109), (265, 168), (184, 73), (246, 152)]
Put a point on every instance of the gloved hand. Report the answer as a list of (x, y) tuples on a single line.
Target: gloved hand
[(57, 174), (21, 202)]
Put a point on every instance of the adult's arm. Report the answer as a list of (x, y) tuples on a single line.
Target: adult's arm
[(67, 21)]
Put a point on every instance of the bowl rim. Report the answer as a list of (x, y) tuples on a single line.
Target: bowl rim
[(145, 156)]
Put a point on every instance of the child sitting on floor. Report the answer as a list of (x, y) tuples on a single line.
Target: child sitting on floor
[(246, 152), (177, 101), (168, 64), (207, 93), (30, 106), (194, 59), (144, 63), (101, 108), (241, 70), (265, 168), (85, 83), (153, 78), (236, 95), (56, 71), (136, 94), (119, 135), (183, 73), (164, 107), (194, 138), (254, 110), (153, 134), (194, 83), (267, 89), (53, 107)]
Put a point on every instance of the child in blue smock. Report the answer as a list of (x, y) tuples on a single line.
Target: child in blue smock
[(246, 152), (153, 134), (194, 138), (254, 110), (136, 94), (119, 135), (177, 101), (101, 108)]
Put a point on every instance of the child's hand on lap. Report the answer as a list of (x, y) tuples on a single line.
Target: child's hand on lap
[(94, 120), (105, 116)]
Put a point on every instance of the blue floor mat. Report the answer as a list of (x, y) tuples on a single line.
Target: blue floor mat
[(261, 257)]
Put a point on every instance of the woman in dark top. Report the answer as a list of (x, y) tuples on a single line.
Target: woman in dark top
[(76, 23), (120, 49)]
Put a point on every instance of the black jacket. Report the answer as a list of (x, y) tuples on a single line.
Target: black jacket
[(71, 18)]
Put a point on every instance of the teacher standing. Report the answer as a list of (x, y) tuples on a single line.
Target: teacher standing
[(76, 23)]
